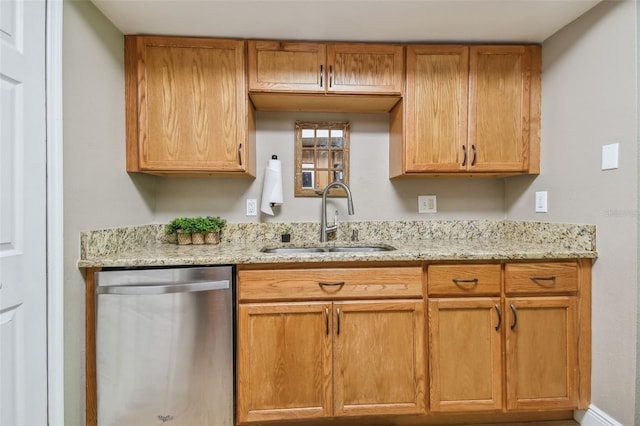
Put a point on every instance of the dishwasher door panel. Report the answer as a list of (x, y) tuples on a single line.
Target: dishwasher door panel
[(165, 359)]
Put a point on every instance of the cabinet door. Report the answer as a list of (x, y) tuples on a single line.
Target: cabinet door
[(379, 358), (191, 109), (284, 361), (365, 68), (436, 108), (280, 66), (500, 96), (541, 353), (465, 354)]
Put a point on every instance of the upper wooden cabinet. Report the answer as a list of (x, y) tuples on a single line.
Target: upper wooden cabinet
[(283, 74), (187, 107), (468, 109)]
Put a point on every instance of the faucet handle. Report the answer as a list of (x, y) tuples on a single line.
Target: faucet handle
[(354, 234), (335, 218)]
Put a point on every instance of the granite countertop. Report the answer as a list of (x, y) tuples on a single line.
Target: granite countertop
[(414, 241)]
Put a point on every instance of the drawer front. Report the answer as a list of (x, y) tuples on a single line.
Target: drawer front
[(548, 277), (329, 284), (463, 280)]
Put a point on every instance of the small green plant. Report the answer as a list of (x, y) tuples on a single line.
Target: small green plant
[(199, 224), (183, 224), (204, 225)]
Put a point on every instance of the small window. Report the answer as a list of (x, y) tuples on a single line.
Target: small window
[(322, 157)]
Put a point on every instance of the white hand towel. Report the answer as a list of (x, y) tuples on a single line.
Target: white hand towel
[(272, 188)]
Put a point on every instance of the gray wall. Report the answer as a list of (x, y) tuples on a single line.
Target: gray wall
[(97, 191), (375, 196), (589, 99)]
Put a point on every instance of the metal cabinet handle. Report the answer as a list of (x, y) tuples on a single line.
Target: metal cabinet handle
[(330, 76), (464, 158), (475, 154), (542, 278), (515, 317), (240, 154), (336, 284), (461, 281), (338, 325), (326, 320), (499, 317), (321, 76)]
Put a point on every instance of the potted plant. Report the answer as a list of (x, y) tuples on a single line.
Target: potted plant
[(286, 234), (182, 227), (210, 227)]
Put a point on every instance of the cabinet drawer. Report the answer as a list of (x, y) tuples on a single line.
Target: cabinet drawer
[(463, 280), (548, 277), (329, 284)]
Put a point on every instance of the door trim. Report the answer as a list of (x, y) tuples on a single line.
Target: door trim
[(55, 223)]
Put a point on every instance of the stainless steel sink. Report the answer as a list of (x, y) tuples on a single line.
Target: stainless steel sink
[(329, 249)]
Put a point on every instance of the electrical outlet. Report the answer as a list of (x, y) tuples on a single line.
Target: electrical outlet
[(427, 204), (252, 207)]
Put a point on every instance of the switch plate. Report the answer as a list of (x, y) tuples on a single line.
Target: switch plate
[(541, 202), (427, 204), (610, 156), (252, 207)]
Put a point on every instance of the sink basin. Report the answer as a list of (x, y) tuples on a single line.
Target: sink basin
[(329, 249)]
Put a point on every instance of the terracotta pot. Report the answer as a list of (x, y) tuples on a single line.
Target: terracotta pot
[(197, 238), (212, 238), (183, 238)]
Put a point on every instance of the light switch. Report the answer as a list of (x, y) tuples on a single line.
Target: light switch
[(610, 156), (541, 202)]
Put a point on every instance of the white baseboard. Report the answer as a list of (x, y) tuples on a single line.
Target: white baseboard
[(594, 417)]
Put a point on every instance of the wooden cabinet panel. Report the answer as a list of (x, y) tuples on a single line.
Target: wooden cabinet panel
[(330, 283), (187, 110), (365, 68), (548, 277), (286, 66), (379, 358), (500, 96), (541, 346), (284, 361), (466, 354), (471, 110), (436, 108), (302, 76), (464, 280)]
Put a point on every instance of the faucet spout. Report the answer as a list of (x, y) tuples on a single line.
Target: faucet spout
[(326, 229)]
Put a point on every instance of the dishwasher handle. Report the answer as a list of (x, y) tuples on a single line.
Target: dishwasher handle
[(148, 289)]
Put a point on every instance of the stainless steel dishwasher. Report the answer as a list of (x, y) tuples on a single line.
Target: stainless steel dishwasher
[(165, 346)]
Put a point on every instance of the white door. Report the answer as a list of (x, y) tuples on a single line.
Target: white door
[(23, 272)]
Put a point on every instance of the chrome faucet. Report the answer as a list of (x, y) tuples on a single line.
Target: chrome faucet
[(326, 229)]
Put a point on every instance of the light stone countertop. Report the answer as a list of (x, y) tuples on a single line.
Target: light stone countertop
[(146, 246)]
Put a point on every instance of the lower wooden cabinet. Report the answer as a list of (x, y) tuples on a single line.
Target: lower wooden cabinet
[(465, 354), (541, 346), (316, 359), (517, 351)]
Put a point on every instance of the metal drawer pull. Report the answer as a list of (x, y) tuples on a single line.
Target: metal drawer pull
[(330, 76), (326, 320), (240, 154), (321, 76), (464, 158), (542, 278), (461, 281), (336, 284), (515, 317), (499, 317), (475, 154), (338, 327)]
